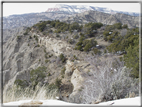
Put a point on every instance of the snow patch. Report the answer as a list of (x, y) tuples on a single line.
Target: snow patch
[(126, 102)]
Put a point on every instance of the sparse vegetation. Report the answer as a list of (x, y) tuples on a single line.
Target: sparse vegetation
[(37, 76), (18, 37), (106, 75), (49, 74), (97, 51), (75, 57), (46, 55), (38, 45), (36, 38), (30, 37), (57, 35), (58, 82), (76, 37), (63, 71), (71, 41), (46, 61), (25, 33), (129, 46), (62, 57), (21, 83)]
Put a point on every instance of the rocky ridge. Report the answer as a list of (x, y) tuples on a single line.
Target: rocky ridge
[(22, 54), (105, 18)]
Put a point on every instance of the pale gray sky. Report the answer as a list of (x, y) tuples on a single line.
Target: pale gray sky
[(21, 8)]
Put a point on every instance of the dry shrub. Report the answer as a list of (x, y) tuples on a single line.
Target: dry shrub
[(40, 93), (110, 80)]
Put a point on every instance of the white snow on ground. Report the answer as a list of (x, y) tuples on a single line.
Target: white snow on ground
[(126, 102)]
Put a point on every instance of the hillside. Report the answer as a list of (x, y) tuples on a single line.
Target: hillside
[(105, 18), (28, 20), (70, 61), (68, 13)]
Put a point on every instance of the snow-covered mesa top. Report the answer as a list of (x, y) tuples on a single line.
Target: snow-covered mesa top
[(71, 9), (126, 102)]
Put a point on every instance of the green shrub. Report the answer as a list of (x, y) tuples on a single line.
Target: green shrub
[(62, 57), (79, 48), (75, 57), (87, 47), (21, 83), (28, 29), (125, 26), (109, 28), (44, 33), (105, 51), (76, 37), (106, 33), (117, 25), (49, 74), (79, 43), (52, 86), (71, 41), (36, 38), (30, 37), (38, 45), (58, 82), (97, 51), (37, 75), (25, 33), (63, 71), (46, 61), (62, 76), (50, 55), (46, 55), (132, 60), (45, 50), (18, 37), (41, 26), (57, 31), (57, 36), (82, 37)]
